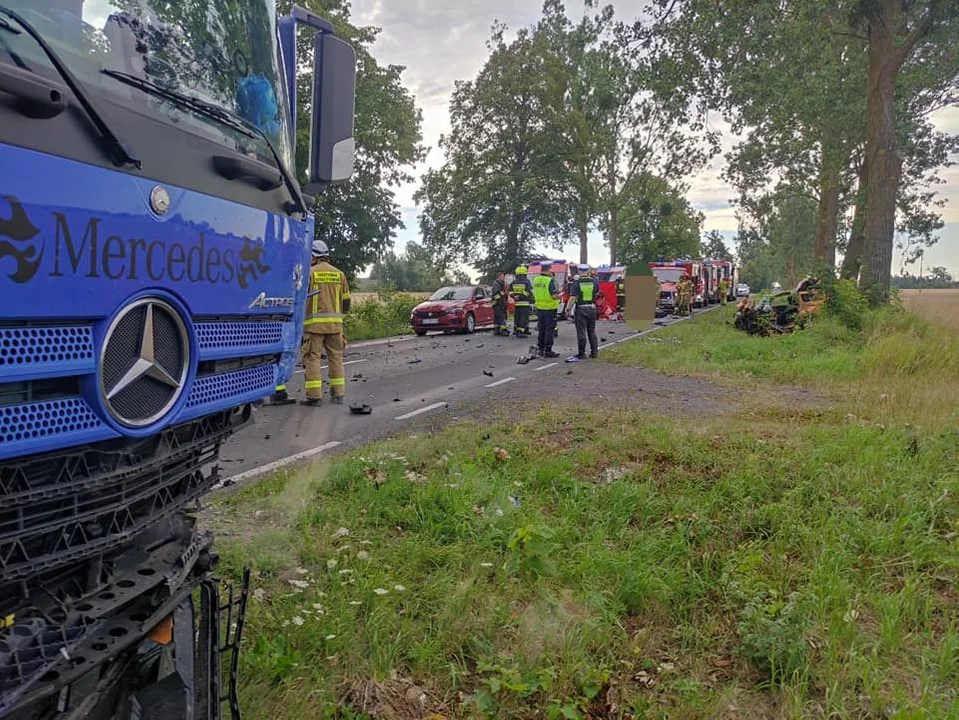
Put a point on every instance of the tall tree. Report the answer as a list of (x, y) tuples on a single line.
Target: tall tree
[(793, 76), (640, 136), (577, 127), (714, 247), (897, 30), (657, 222), (359, 219), (502, 187)]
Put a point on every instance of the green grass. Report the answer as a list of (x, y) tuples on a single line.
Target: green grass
[(380, 317), (779, 563), (897, 368)]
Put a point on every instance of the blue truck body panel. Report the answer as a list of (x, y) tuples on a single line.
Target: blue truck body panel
[(79, 243)]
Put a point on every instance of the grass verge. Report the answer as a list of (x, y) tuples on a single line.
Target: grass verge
[(380, 316), (897, 368), (775, 563)]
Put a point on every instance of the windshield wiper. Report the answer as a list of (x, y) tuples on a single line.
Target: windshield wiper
[(215, 112), (116, 149)]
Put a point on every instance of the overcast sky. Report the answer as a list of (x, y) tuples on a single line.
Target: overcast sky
[(441, 41)]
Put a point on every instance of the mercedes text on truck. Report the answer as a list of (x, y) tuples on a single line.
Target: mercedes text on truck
[(154, 253)]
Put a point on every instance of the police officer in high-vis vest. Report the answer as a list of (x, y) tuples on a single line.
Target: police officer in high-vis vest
[(328, 300), (522, 293), (585, 292), (546, 297)]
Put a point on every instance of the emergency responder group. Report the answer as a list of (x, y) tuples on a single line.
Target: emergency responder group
[(327, 301), (543, 296)]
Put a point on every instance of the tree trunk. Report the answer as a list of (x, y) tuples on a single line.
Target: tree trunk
[(882, 154), (613, 212), (824, 249), (582, 227), (852, 260), (511, 256)]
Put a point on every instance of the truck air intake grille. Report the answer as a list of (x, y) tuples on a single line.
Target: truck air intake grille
[(33, 348), (218, 335), (217, 387), (44, 419)]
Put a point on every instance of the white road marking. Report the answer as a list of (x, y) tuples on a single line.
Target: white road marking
[(323, 367), (501, 382), (277, 464), (544, 367), (422, 410)]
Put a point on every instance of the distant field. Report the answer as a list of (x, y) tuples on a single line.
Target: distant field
[(941, 306), (359, 297)]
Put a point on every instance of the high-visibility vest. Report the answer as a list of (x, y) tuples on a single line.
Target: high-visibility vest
[(544, 301), (586, 288), (324, 310)]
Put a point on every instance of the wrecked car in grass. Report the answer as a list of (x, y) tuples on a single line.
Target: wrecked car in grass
[(783, 312)]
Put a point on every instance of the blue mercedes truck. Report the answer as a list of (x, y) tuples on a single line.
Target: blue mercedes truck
[(154, 251)]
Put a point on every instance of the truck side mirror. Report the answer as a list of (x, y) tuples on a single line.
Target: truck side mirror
[(332, 146)]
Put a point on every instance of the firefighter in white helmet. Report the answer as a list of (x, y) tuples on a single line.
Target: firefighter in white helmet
[(326, 304)]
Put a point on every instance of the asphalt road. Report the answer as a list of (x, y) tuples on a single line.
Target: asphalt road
[(402, 379)]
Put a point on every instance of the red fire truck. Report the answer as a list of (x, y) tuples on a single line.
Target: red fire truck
[(724, 270), (667, 273)]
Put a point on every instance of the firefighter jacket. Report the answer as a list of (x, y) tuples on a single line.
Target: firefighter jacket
[(329, 299), (498, 292), (620, 287), (521, 291), (544, 288)]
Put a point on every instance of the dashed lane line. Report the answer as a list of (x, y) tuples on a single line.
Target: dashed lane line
[(420, 411), (544, 367), (500, 382), (276, 464)]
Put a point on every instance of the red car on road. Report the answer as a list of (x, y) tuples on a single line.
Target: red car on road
[(460, 308)]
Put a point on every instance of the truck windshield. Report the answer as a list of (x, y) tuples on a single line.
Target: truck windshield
[(224, 52), (668, 274)]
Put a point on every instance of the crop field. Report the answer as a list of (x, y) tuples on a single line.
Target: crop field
[(940, 306)]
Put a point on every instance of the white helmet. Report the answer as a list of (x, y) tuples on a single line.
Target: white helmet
[(320, 249), (777, 287)]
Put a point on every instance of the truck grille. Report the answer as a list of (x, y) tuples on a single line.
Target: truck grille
[(213, 388), (33, 350), (238, 334)]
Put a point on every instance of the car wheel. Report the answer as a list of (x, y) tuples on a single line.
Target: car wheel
[(470, 325), (421, 333)]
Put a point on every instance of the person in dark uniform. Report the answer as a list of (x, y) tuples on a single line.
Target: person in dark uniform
[(585, 292), (499, 297), (521, 290)]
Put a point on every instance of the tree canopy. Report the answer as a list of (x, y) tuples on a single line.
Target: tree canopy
[(359, 219), (413, 270)]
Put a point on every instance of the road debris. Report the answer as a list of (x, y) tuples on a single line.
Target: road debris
[(487, 373)]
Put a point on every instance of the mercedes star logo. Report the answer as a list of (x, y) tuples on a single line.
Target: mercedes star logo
[(144, 362)]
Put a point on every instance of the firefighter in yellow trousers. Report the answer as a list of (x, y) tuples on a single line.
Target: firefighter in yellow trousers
[(326, 304)]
